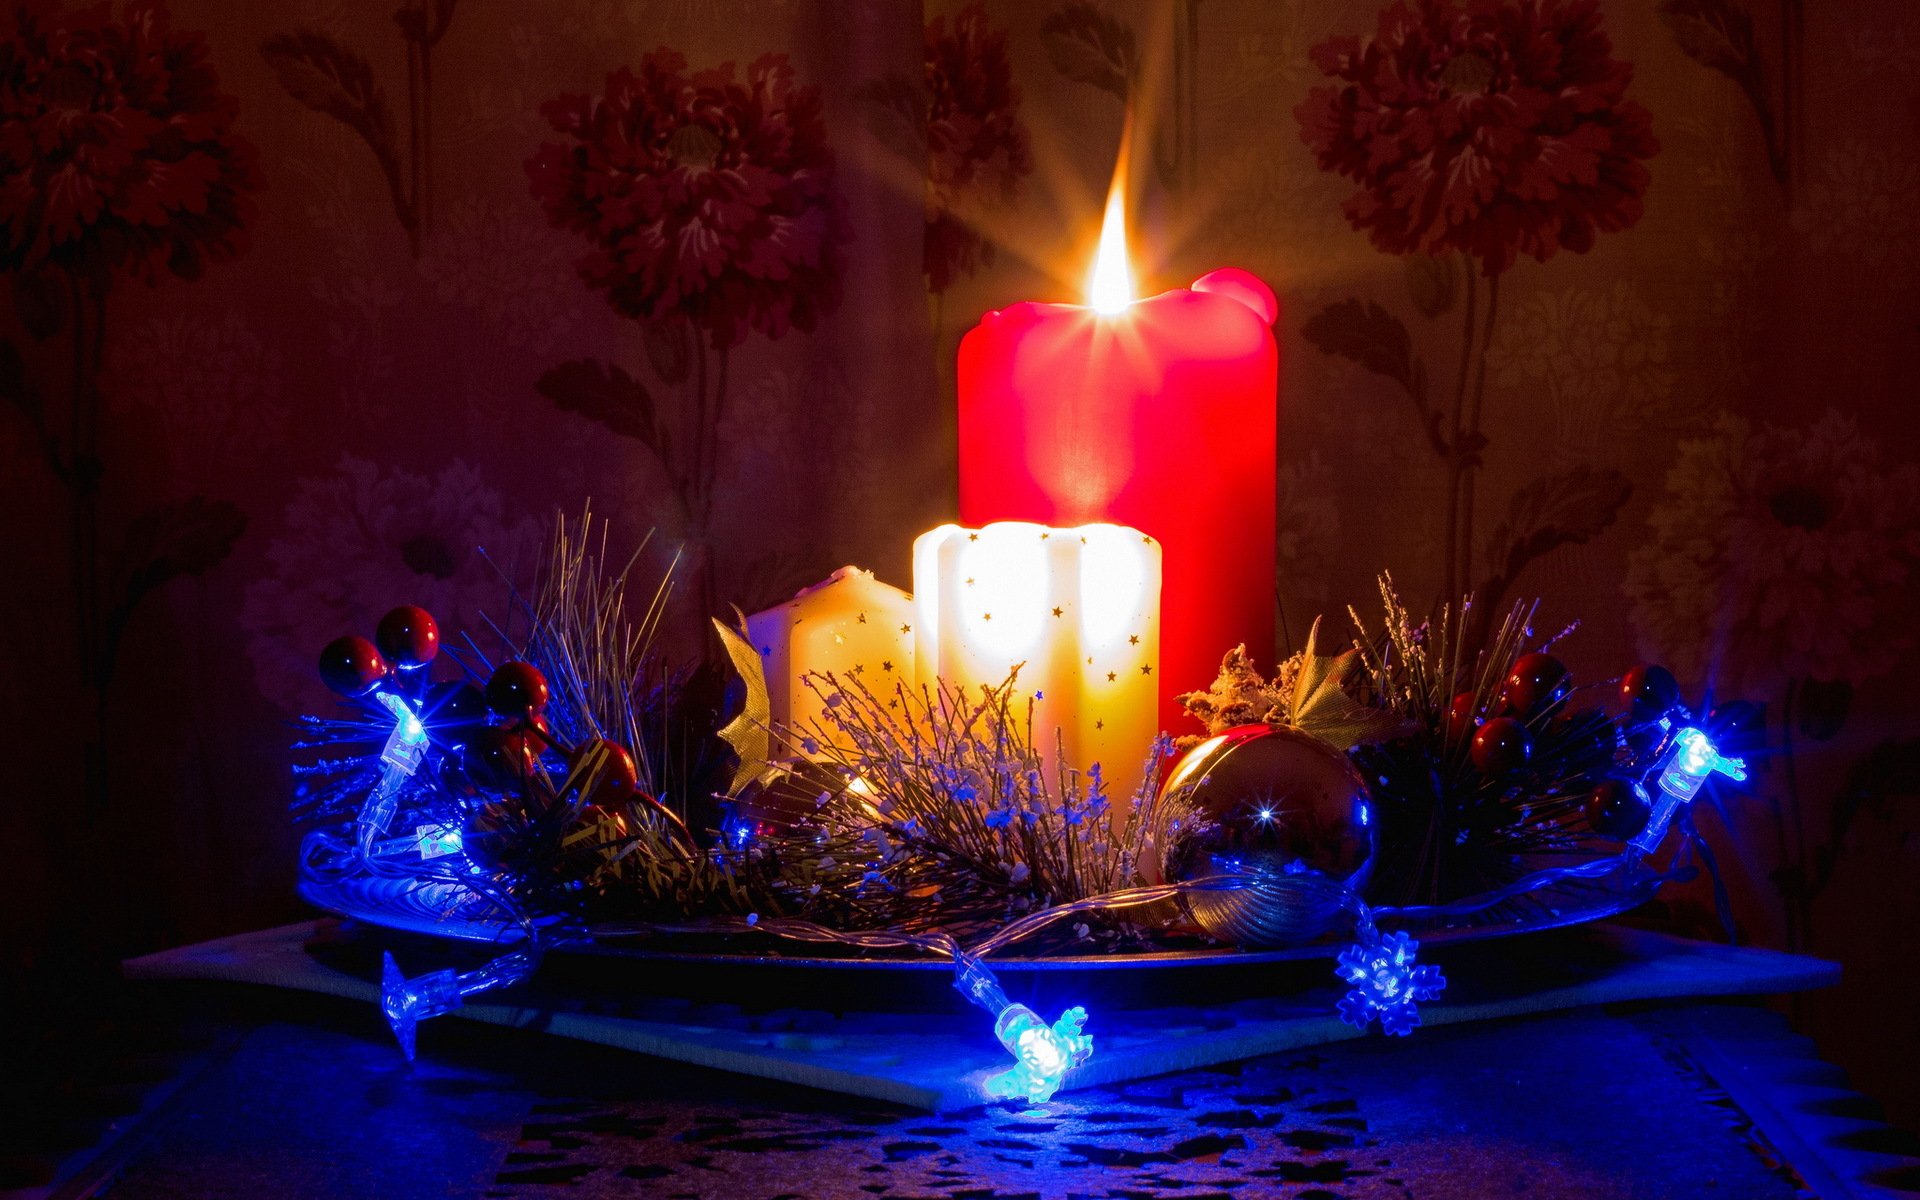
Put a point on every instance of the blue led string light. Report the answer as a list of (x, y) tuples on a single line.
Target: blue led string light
[(1042, 1053), (407, 1002), (406, 746), (433, 853), (1692, 760), (1387, 982)]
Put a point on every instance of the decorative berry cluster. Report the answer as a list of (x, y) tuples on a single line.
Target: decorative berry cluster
[(490, 740)]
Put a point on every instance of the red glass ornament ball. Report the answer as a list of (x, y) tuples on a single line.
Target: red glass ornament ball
[(351, 666), (1535, 681), (1501, 745), (1649, 690), (1460, 718), (1618, 809), (408, 636), (610, 776), (499, 757), (517, 689)]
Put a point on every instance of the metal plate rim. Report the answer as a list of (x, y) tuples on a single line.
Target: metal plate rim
[(357, 900)]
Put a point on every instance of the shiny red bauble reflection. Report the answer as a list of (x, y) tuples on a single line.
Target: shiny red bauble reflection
[(1535, 681), (1500, 746), (1648, 691), (605, 772), (408, 636), (352, 666), (1460, 718), (517, 689), (1618, 809)]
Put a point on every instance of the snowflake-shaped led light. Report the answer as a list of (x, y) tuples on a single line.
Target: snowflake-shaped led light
[(1043, 1053), (1386, 983), (1046, 1052)]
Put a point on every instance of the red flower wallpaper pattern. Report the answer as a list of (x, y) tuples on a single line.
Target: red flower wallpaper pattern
[(702, 197), (1495, 129), (117, 147)]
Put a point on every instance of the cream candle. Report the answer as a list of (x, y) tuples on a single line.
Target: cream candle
[(1076, 609), (850, 624)]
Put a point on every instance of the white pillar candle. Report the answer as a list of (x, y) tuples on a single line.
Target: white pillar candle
[(850, 624), (1078, 610)]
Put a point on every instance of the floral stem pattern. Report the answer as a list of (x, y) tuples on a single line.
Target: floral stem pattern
[(1476, 443), (1454, 583)]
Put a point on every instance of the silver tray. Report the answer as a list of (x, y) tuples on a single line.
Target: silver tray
[(435, 909)]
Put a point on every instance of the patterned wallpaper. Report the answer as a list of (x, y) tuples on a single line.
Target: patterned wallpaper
[(1603, 303)]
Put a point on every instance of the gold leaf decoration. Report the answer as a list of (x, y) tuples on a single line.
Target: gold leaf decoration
[(749, 733), (1322, 706)]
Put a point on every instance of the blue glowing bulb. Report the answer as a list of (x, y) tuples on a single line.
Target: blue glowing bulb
[(407, 1002), (1685, 771), (438, 841), (407, 743), (406, 747), (1386, 983), (1043, 1053)]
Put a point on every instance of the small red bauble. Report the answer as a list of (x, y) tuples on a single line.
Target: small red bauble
[(1643, 741), (499, 757), (1649, 690), (1501, 745), (517, 689), (610, 776), (1535, 681), (1460, 718), (351, 666), (1618, 809), (408, 636)]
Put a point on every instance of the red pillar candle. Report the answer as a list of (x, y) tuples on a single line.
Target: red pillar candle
[(1160, 415)]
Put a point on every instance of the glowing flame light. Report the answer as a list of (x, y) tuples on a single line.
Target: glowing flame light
[(1110, 287)]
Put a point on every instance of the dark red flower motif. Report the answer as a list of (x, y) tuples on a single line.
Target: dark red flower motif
[(117, 148), (976, 145), (1495, 129), (702, 196)]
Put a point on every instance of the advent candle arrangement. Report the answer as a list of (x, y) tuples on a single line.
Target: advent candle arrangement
[(1117, 536), (1157, 414), (1076, 610)]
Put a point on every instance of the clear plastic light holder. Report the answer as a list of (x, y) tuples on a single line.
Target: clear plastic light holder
[(1681, 775), (405, 749)]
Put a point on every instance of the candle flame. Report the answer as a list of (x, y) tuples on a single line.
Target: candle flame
[(1110, 288)]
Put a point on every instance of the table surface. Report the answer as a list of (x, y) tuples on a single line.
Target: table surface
[(904, 1036), (307, 1098)]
